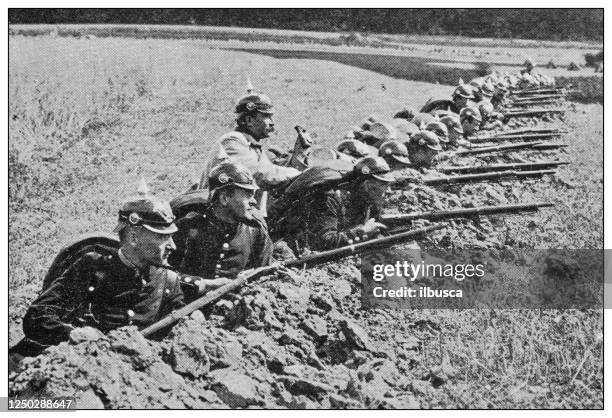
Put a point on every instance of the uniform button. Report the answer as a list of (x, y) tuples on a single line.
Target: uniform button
[(218, 266), (144, 282), (356, 239), (91, 288), (365, 238), (167, 291), (350, 242), (197, 283), (225, 246), (222, 255), (187, 280), (130, 314), (108, 257)]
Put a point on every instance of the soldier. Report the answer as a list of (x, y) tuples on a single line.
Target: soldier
[(101, 287), (356, 149), (470, 121), (226, 237), (529, 66), (423, 148), (395, 154), (461, 98), (243, 145), (455, 130), (441, 131), (326, 218)]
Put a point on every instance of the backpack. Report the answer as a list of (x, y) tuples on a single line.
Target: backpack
[(72, 252)]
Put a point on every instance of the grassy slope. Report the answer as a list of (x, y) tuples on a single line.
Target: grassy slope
[(153, 107)]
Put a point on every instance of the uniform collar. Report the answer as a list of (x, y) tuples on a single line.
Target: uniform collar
[(130, 265), (252, 141)]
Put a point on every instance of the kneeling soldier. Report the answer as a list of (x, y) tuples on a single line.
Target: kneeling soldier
[(226, 237)]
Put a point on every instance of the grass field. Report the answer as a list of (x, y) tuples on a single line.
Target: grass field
[(88, 117)]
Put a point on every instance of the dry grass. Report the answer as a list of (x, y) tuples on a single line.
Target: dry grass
[(88, 117)]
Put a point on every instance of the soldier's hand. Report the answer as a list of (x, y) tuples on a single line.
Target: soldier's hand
[(79, 335), (371, 227), (206, 285)]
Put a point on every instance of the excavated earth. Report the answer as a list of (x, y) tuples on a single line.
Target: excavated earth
[(301, 339)]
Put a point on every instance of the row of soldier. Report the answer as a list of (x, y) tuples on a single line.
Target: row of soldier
[(307, 200)]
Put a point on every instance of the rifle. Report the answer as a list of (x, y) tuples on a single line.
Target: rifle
[(532, 131), (531, 103), (538, 97), (439, 215), (499, 167), (495, 175), (498, 148), (558, 90), (543, 147), (531, 112), (307, 261), (525, 137)]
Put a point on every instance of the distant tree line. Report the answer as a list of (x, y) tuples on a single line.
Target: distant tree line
[(550, 24)]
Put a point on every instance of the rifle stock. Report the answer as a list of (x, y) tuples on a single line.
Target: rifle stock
[(441, 215), (498, 148), (308, 261)]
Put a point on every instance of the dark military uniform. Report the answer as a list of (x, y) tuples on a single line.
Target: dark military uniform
[(330, 220), (214, 248), (102, 291)]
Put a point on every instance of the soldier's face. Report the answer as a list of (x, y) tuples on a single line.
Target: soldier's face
[(423, 156), (260, 125), (153, 248), (375, 190), (240, 204), (470, 126)]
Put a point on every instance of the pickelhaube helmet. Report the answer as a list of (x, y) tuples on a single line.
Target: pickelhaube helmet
[(367, 122), (404, 126), (422, 119), (426, 139), (439, 129), (406, 113), (463, 90), (452, 123), (394, 150), (254, 102), (487, 89), (354, 148), (468, 112), (383, 131), (230, 175), (375, 167), (147, 211)]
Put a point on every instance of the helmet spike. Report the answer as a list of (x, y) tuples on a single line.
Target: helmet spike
[(143, 189), (461, 82), (249, 85)]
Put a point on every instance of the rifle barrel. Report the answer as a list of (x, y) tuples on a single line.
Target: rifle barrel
[(464, 212), (309, 260), (526, 136), (499, 167), (549, 146), (532, 112), (497, 148), (497, 175)]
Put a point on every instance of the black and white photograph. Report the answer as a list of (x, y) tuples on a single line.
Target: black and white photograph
[(305, 208)]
